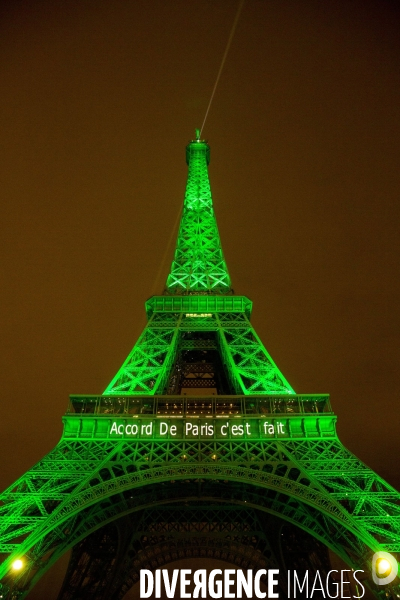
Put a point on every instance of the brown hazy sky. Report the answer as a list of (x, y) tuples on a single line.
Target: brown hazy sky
[(97, 102)]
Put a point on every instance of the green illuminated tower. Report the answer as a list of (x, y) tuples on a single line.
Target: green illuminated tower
[(198, 447)]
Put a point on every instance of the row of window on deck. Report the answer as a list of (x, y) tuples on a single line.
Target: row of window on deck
[(179, 406)]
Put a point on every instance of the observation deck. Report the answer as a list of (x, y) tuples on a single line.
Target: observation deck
[(200, 406), (201, 418)]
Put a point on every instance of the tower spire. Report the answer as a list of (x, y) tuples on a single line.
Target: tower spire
[(199, 265)]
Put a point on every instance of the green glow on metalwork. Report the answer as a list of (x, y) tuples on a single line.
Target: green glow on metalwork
[(284, 446), (199, 275), (198, 264)]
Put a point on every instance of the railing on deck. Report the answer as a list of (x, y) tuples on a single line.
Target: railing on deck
[(192, 406)]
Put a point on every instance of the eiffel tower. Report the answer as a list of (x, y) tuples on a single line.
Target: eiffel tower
[(198, 448)]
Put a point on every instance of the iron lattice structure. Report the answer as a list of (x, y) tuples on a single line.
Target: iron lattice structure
[(199, 264), (198, 447)]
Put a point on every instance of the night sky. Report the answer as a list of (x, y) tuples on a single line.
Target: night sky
[(98, 100)]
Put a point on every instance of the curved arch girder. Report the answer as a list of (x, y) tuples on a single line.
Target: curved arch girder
[(78, 474), (50, 548), (173, 532)]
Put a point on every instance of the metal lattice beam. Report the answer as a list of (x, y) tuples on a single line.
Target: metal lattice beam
[(199, 264), (100, 471)]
